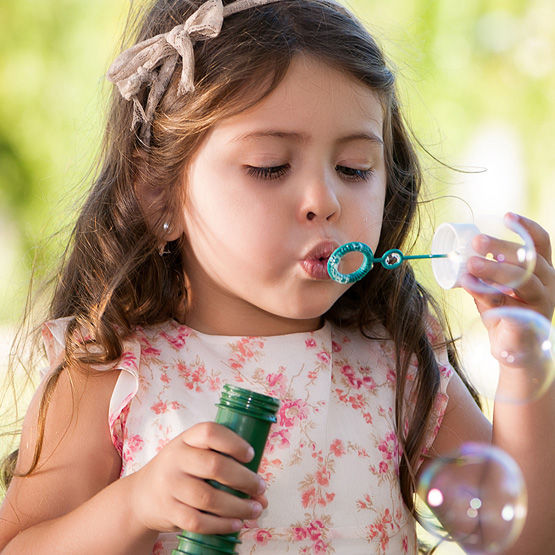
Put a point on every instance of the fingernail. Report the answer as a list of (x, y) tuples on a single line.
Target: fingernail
[(261, 486), (250, 453), (256, 508), (236, 525)]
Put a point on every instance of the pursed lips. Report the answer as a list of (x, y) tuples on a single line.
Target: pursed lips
[(315, 261)]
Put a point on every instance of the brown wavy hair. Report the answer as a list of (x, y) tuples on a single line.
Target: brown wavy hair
[(113, 277)]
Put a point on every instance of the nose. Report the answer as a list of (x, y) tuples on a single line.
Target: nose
[(320, 201)]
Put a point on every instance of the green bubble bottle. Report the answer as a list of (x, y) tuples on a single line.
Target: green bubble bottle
[(249, 415)]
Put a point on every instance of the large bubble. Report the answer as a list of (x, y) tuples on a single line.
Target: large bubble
[(479, 497), (504, 243), (508, 354)]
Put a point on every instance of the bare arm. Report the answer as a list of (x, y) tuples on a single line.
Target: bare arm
[(74, 502), (523, 430), (68, 490)]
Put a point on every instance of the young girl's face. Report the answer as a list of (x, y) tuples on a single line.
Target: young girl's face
[(271, 192)]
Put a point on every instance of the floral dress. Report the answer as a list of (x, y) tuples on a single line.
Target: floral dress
[(332, 458)]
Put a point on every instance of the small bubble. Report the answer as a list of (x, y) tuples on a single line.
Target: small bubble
[(525, 355)]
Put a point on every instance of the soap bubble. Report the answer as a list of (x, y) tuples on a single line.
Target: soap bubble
[(525, 349), (479, 496), (503, 242)]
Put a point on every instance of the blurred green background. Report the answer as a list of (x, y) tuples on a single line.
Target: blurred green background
[(476, 78)]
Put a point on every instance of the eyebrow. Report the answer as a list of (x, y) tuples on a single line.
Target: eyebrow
[(302, 137)]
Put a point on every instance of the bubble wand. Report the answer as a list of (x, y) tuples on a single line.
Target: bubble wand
[(389, 260), (451, 248)]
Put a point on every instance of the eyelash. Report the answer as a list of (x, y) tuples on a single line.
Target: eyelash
[(276, 172)]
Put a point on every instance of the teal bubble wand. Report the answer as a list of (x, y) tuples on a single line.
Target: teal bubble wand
[(390, 260)]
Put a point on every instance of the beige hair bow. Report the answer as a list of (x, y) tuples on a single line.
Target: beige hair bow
[(152, 62)]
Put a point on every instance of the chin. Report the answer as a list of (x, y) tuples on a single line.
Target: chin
[(307, 312)]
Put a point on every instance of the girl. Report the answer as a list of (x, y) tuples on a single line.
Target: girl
[(231, 171)]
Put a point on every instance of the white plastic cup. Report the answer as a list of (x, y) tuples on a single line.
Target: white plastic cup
[(454, 240)]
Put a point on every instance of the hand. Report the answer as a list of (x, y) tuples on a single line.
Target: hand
[(170, 492), (537, 293)]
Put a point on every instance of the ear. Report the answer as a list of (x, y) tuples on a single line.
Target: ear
[(156, 205)]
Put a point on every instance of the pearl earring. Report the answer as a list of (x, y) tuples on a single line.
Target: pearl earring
[(162, 250)]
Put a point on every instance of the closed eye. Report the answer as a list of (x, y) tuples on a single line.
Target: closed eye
[(275, 172), (268, 173), (352, 174)]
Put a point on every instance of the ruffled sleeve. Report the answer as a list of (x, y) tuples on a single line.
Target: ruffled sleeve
[(54, 340), (436, 338), (54, 334)]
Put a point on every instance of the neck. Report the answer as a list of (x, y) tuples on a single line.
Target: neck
[(252, 324)]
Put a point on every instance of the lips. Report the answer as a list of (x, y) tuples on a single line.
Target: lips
[(315, 261)]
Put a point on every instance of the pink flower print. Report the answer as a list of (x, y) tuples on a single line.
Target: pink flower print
[(358, 379), (177, 340), (214, 383), (277, 383), (158, 548), (308, 497), (389, 447), (290, 411), (380, 528), (337, 448), (314, 530), (193, 377), (198, 378), (279, 439), (242, 350), (356, 401), (445, 371), (320, 547), (383, 467), (135, 443), (335, 347), (365, 503), (147, 348), (128, 360), (299, 533), (310, 343), (159, 407), (324, 357), (391, 377), (262, 536), (405, 544), (164, 378), (323, 476)]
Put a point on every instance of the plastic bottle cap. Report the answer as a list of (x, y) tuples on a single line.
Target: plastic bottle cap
[(455, 240)]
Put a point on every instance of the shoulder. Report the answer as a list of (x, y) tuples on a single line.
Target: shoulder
[(77, 457)]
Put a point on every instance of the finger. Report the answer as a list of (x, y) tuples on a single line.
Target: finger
[(188, 518), (499, 250), (545, 272), (211, 465), (209, 435), (485, 296), (539, 235), (262, 499), (501, 273), (202, 496)]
